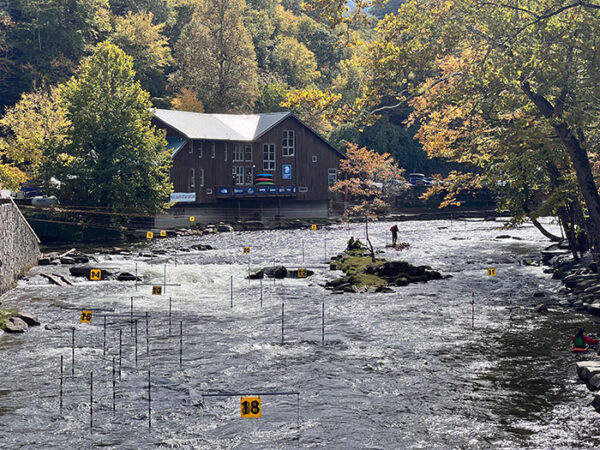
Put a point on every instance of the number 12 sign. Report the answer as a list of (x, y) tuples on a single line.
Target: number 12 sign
[(251, 408)]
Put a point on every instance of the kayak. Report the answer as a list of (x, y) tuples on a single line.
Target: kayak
[(264, 183), (265, 175), (580, 349), (270, 180)]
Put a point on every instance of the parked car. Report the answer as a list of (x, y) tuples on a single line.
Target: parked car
[(44, 200), (416, 179)]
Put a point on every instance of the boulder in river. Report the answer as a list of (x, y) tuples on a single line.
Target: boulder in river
[(258, 275), (15, 325), (29, 318), (202, 247), (275, 272), (126, 276), (84, 271)]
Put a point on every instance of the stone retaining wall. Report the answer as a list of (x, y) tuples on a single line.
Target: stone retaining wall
[(19, 246)]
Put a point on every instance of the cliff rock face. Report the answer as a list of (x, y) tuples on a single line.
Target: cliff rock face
[(19, 246)]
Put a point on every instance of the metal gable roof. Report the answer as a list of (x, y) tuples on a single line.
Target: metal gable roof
[(221, 127)]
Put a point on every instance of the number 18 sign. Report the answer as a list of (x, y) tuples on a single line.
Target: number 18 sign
[(250, 407)]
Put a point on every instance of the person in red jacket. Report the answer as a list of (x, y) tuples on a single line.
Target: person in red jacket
[(581, 340)]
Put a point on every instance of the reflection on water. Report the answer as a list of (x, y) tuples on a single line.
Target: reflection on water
[(402, 370)]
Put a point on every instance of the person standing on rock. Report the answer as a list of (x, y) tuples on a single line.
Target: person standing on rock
[(394, 231), (351, 245)]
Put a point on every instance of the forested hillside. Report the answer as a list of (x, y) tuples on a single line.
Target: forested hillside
[(207, 55)]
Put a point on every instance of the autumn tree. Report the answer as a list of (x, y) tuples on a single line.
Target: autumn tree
[(114, 157), (215, 58), (362, 174), (32, 129)]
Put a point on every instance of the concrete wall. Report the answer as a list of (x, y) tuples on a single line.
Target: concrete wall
[(19, 249)]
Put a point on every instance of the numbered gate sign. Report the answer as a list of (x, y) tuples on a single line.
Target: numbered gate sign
[(192, 219), (302, 273), (149, 235), (95, 274), (163, 233), (86, 317), (492, 272), (250, 407), (313, 227), (246, 249), (156, 290)]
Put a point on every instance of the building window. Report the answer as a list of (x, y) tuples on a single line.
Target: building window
[(331, 176), (238, 173), (238, 152), (192, 178), (268, 156), (314, 158), (191, 147), (289, 145), (208, 191), (199, 149), (201, 178), (248, 152), (302, 189), (249, 175), (214, 149), (225, 152)]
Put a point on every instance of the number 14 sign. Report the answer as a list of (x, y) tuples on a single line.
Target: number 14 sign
[(251, 408)]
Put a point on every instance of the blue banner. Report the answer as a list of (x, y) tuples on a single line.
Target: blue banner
[(238, 191), (224, 191), (286, 171), (261, 189), (250, 191)]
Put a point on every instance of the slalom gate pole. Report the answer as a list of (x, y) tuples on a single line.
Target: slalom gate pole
[(136, 343), (473, 311), (149, 402), (73, 353), (120, 351), (61, 384), (282, 321), (180, 344), (104, 338), (147, 339), (91, 401), (261, 292), (231, 289), (169, 316), (114, 385), (323, 325)]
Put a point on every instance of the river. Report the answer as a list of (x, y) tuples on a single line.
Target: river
[(412, 369)]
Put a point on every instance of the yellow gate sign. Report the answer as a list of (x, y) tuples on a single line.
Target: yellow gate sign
[(149, 235), (250, 407), (163, 233), (86, 317), (156, 290), (302, 273), (95, 274), (491, 272), (313, 227), (246, 249), (192, 219)]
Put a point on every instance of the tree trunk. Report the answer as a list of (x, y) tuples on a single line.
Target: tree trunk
[(579, 159), (545, 232), (369, 240)]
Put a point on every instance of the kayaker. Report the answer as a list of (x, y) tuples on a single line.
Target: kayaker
[(394, 231), (582, 340)]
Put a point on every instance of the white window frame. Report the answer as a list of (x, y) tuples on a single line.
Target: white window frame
[(288, 147), (238, 153), (200, 149), (214, 149), (331, 171), (208, 191), (248, 151), (314, 158), (269, 164), (225, 152), (201, 178), (303, 189), (192, 180), (249, 175), (239, 172), (191, 151)]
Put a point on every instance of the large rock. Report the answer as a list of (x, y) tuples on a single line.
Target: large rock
[(594, 308), (594, 382), (84, 271), (202, 247), (15, 325), (583, 364), (258, 275), (276, 272), (596, 402), (588, 372), (29, 318), (126, 276), (224, 228)]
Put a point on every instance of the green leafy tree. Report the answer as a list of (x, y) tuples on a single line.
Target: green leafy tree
[(296, 63), (215, 58), (32, 129), (114, 158), (143, 41), (271, 97)]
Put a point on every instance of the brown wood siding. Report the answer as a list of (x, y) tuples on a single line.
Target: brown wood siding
[(218, 171)]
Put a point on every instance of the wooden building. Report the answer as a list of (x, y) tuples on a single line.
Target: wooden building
[(248, 165)]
